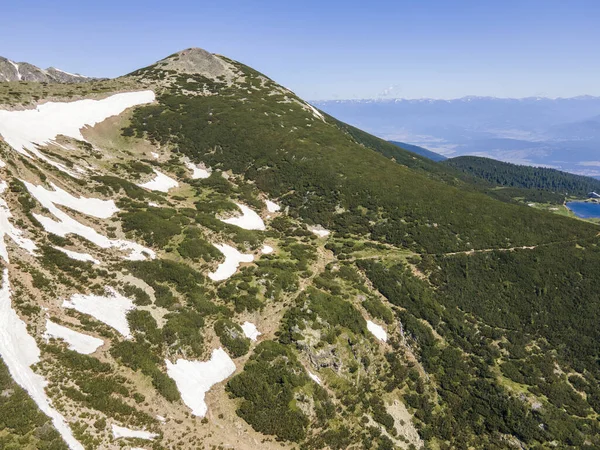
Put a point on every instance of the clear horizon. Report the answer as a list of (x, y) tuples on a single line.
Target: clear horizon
[(464, 97), (334, 50)]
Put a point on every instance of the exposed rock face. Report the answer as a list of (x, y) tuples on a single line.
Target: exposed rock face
[(11, 71), (61, 76), (197, 60)]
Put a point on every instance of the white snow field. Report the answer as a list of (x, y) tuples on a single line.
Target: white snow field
[(160, 182), (19, 352), (233, 258), (251, 331), (198, 172), (95, 207), (195, 378), (66, 224), (272, 207), (266, 249), (8, 229), (249, 220), (79, 342), (111, 309), (24, 130), (319, 231), (314, 377), (78, 256), (377, 331), (122, 432)]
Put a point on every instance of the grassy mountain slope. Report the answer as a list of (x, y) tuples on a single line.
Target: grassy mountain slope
[(268, 136), (490, 308), (447, 173), (388, 149)]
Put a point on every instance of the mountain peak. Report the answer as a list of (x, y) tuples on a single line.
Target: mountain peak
[(197, 60), (12, 71)]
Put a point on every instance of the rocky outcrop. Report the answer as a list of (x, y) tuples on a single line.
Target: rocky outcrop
[(197, 60)]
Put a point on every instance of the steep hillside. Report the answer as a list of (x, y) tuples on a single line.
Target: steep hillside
[(194, 257), (445, 172), (513, 175)]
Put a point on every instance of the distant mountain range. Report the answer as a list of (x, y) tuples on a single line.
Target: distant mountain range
[(22, 71), (562, 133)]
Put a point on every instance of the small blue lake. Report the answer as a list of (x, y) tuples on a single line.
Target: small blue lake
[(585, 210)]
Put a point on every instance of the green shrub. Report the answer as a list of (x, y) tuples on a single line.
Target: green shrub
[(23, 425), (195, 247), (267, 386), (138, 356), (336, 311), (156, 227), (232, 337), (184, 330), (377, 309)]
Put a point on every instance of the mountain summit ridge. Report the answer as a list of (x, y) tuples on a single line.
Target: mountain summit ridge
[(24, 71), (195, 60)]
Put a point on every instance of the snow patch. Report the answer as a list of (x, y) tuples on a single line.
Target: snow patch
[(249, 220), (197, 171), (266, 249), (78, 256), (8, 229), (272, 207), (110, 309), (250, 331), (377, 331), (81, 343), (155, 155), (16, 66), (122, 432), (161, 182), (315, 378), (195, 378), (315, 112), (95, 207), (19, 352), (233, 258), (319, 231), (69, 73), (25, 130), (66, 224)]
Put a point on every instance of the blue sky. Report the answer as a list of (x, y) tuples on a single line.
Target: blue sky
[(330, 49)]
